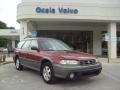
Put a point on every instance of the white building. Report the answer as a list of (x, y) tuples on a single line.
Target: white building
[(10, 34), (84, 24)]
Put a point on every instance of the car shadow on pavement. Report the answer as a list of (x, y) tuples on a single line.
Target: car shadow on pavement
[(62, 82), (71, 83)]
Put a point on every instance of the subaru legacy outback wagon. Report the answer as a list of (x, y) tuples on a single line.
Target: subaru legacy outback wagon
[(53, 58)]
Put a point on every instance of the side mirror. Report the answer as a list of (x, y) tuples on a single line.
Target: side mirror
[(34, 48)]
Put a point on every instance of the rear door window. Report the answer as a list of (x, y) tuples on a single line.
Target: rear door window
[(34, 43)]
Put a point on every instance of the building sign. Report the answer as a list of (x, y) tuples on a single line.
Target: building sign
[(13, 31), (59, 10)]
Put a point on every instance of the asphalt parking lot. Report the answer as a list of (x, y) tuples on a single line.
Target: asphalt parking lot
[(11, 79)]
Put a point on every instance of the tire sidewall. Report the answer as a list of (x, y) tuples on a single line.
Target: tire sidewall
[(52, 78), (20, 66)]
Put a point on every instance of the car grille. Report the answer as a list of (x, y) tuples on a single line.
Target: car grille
[(87, 62)]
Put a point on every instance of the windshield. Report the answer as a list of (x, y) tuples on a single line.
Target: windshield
[(53, 45)]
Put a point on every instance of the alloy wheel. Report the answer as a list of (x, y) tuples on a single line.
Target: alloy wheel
[(17, 64), (47, 73)]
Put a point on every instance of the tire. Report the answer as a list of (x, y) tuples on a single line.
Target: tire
[(48, 73), (18, 64)]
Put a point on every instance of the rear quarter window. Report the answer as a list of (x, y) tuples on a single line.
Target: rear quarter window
[(20, 44), (26, 45)]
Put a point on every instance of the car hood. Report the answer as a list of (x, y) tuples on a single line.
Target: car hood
[(71, 55)]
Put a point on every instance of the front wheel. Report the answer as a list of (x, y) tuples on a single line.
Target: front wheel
[(18, 64), (48, 73)]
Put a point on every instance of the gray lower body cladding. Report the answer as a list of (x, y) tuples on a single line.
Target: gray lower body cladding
[(64, 71)]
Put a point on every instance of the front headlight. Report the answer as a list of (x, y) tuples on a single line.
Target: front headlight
[(72, 62)]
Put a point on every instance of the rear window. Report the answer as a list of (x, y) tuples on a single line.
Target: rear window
[(20, 44)]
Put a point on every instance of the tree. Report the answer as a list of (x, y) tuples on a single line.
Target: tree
[(4, 42), (3, 25), (11, 28)]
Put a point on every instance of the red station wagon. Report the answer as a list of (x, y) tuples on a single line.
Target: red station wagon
[(53, 58)]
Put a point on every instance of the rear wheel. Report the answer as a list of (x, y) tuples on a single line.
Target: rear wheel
[(48, 73), (18, 64)]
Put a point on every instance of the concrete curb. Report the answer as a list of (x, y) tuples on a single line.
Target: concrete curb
[(7, 62), (110, 62)]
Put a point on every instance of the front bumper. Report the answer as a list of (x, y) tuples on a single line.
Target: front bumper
[(64, 71)]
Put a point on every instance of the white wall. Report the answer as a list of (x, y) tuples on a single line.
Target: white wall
[(26, 28), (31, 27), (23, 29), (97, 45), (80, 1), (87, 11)]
